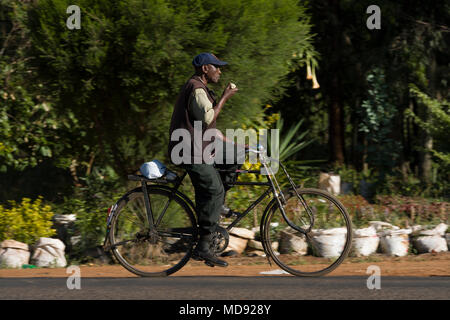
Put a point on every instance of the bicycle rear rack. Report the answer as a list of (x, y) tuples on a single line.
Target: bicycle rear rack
[(141, 178)]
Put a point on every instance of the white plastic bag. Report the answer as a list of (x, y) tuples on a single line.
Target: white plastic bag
[(292, 243), (395, 242), (330, 182), (447, 237), (365, 241), (427, 244), (431, 240), (49, 253), (439, 230), (329, 243), (153, 169), (13, 254), (381, 225)]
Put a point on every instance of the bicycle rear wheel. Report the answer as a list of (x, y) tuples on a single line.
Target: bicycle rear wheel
[(317, 252), (153, 254)]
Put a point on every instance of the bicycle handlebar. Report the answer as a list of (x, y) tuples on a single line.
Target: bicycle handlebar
[(258, 149), (261, 150)]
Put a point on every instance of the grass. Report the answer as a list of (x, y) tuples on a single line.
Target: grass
[(371, 258)]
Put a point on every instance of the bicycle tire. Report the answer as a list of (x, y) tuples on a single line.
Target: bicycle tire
[(302, 264), (177, 207)]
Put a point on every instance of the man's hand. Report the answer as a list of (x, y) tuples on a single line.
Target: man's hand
[(229, 91), (227, 94)]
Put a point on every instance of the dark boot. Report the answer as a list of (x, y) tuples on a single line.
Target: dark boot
[(203, 252)]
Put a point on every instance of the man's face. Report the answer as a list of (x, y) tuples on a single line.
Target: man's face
[(212, 73)]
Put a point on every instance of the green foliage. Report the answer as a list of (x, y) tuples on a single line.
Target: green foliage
[(28, 125), (377, 115), (26, 130), (121, 72), (370, 175), (408, 184), (90, 203), (347, 173), (26, 221), (400, 211), (437, 124), (302, 173), (411, 186), (418, 210), (290, 142)]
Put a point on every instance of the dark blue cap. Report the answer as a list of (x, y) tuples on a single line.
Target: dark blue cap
[(207, 58)]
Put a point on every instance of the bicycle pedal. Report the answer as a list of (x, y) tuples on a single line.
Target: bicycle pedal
[(209, 264), (231, 213), (196, 258)]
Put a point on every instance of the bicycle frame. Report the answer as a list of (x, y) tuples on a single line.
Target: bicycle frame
[(179, 182), (276, 190), (273, 188), (272, 184), (278, 195), (254, 203)]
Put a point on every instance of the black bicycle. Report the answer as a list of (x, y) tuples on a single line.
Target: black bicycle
[(152, 230)]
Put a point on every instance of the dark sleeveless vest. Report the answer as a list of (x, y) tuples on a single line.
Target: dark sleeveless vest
[(182, 120)]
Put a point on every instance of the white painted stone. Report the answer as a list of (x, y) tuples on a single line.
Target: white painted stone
[(243, 233)]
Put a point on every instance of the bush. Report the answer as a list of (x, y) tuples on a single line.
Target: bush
[(129, 60), (26, 222), (360, 210), (303, 173), (408, 184), (397, 210), (90, 204), (417, 210)]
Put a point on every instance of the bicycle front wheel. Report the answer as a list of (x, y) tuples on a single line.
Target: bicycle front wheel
[(147, 253), (316, 252)]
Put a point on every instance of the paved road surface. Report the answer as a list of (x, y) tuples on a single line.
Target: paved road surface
[(227, 288)]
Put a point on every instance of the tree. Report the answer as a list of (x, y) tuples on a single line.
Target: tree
[(27, 124), (410, 47), (418, 51), (377, 122), (436, 125), (118, 76)]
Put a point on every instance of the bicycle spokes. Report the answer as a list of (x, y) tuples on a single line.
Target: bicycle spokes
[(317, 251), (145, 248)]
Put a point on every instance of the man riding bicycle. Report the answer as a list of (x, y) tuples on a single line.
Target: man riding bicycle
[(195, 112)]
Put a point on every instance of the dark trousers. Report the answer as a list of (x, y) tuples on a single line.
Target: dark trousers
[(210, 187)]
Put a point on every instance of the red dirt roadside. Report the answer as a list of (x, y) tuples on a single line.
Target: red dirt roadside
[(424, 265)]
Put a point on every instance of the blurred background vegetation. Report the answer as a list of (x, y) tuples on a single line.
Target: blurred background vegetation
[(81, 109)]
